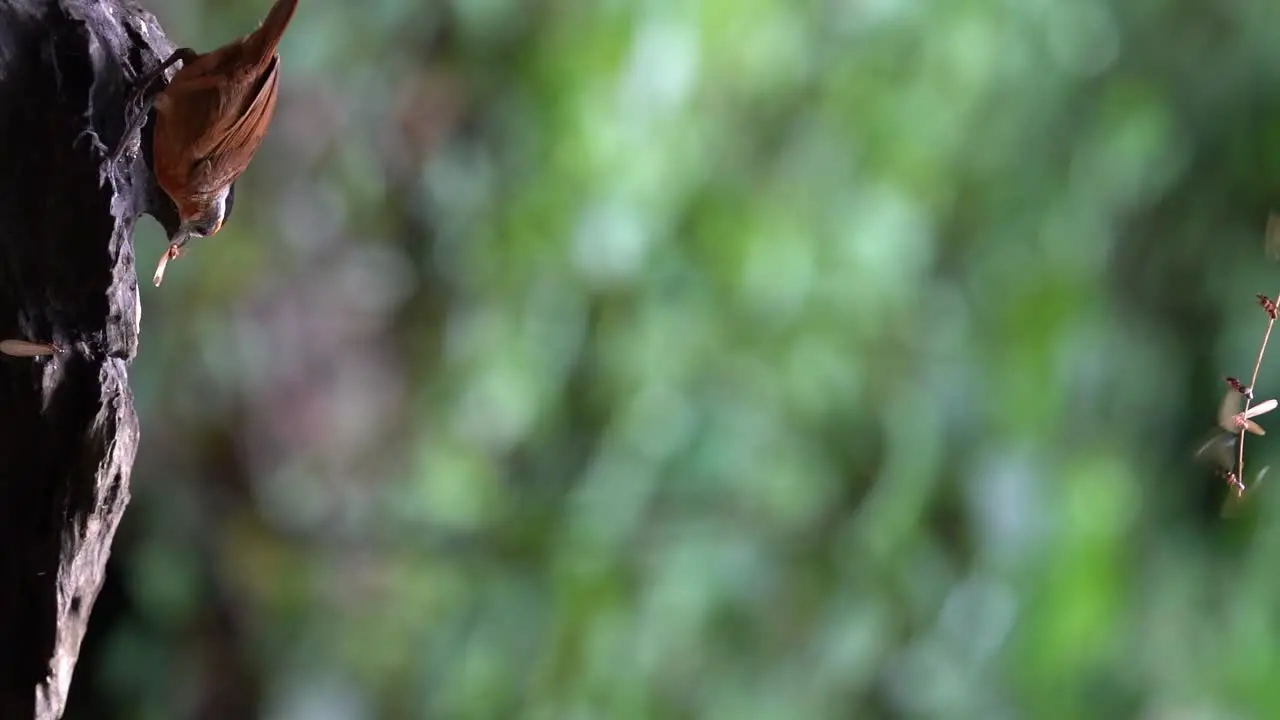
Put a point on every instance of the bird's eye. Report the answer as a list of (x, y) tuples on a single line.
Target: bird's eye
[(204, 228)]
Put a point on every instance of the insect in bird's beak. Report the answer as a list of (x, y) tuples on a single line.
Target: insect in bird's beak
[(170, 253)]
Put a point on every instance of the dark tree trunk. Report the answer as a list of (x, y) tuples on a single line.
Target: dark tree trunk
[(68, 432)]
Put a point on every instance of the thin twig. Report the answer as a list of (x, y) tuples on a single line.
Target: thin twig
[(1253, 381)]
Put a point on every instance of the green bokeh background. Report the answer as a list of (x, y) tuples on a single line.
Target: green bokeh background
[(729, 360)]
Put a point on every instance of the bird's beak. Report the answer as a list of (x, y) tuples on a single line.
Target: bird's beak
[(180, 238)]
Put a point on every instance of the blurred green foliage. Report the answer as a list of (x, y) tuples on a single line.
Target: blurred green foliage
[(754, 359)]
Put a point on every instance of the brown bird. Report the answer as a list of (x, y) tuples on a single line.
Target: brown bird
[(210, 119)]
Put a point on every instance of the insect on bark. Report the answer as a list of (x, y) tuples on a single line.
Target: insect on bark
[(28, 349)]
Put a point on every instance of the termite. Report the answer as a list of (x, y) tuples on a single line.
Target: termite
[(26, 349)]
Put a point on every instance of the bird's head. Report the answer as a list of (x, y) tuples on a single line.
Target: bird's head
[(199, 218), (204, 217)]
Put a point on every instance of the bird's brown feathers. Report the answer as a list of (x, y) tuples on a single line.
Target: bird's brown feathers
[(215, 111)]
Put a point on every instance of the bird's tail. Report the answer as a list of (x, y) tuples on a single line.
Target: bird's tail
[(264, 40)]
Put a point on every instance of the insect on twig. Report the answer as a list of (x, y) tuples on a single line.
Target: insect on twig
[(1234, 418), (1221, 448), (1236, 412)]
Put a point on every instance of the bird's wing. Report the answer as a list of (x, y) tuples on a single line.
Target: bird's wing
[(225, 150)]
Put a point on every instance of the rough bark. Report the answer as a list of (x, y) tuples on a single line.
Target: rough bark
[(68, 432)]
